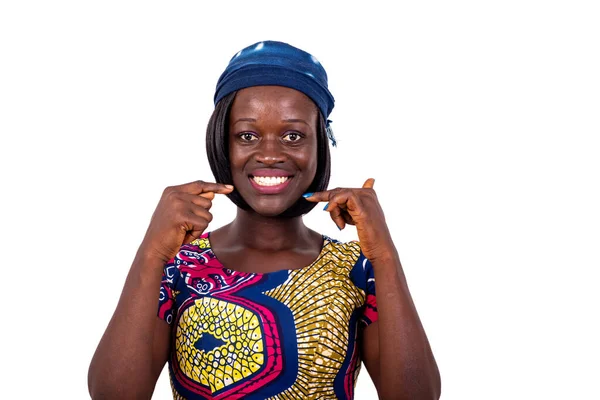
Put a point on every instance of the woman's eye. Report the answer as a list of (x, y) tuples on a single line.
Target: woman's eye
[(292, 137), (247, 136)]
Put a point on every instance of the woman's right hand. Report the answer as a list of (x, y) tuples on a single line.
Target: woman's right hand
[(181, 216)]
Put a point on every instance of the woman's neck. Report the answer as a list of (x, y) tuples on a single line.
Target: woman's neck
[(254, 231)]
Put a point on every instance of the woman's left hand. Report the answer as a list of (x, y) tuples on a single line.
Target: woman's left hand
[(359, 207)]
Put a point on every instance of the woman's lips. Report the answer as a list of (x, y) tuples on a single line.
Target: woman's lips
[(269, 184)]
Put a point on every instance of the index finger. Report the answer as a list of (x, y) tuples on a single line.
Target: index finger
[(198, 187), (318, 196)]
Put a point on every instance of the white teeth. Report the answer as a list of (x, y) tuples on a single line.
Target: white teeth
[(270, 180)]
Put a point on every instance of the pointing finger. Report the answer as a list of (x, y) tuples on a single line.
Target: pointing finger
[(317, 196), (199, 187)]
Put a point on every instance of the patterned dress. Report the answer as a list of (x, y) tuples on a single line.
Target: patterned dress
[(289, 334)]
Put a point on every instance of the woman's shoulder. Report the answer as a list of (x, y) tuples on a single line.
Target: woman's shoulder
[(346, 246), (197, 252), (346, 253), (349, 258)]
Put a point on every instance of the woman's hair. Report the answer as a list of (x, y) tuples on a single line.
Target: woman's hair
[(217, 149)]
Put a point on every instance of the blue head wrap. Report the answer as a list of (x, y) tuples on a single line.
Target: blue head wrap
[(280, 64)]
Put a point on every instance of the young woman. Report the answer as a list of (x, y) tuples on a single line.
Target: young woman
[(265, 307)]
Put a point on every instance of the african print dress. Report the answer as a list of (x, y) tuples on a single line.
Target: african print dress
[(288, 334)]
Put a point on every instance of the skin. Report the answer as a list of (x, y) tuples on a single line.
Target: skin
[(270, 127)]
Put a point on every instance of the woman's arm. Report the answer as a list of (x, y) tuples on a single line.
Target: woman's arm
[(135, 345), (395, 348)]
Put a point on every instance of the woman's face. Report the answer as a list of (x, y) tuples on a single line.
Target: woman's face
[(272, 146)]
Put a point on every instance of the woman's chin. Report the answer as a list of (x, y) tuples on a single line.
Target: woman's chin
[(270, 212), (270, 209)]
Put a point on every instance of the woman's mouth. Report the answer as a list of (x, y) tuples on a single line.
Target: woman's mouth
[(270, 184), (269, 180)]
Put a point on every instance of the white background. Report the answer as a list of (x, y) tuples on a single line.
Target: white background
[(478, 119)]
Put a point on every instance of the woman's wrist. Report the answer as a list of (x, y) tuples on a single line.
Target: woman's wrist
[(385, 254)]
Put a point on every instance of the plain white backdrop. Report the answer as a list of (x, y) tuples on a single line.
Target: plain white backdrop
[(478, 120)]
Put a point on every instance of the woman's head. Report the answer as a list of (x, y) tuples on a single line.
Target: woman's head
[(267, 134)]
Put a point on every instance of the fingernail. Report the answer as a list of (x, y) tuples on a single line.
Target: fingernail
[(229, 186), (326, 205), (305, 195)]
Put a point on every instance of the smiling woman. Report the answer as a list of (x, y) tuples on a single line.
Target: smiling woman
[(265, 307), (229, 125), (273, 133)]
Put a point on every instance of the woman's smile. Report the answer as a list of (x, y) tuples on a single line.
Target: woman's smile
[(270, 180)]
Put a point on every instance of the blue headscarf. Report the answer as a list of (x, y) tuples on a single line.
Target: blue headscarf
[(280, 64)]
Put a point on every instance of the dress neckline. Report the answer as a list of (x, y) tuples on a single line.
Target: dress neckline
[(326, 240)]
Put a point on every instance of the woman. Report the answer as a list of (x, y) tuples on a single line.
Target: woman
[(264, 306)]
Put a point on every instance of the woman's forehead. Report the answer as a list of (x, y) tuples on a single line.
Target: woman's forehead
[(274, 100)]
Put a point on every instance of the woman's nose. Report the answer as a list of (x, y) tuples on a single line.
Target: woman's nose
[(270, 152)]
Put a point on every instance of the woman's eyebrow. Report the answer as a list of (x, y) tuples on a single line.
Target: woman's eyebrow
[(295, 120), (244, 120)]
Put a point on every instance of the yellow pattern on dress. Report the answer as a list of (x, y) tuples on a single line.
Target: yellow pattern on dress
[(240, 356), (322, 299)]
